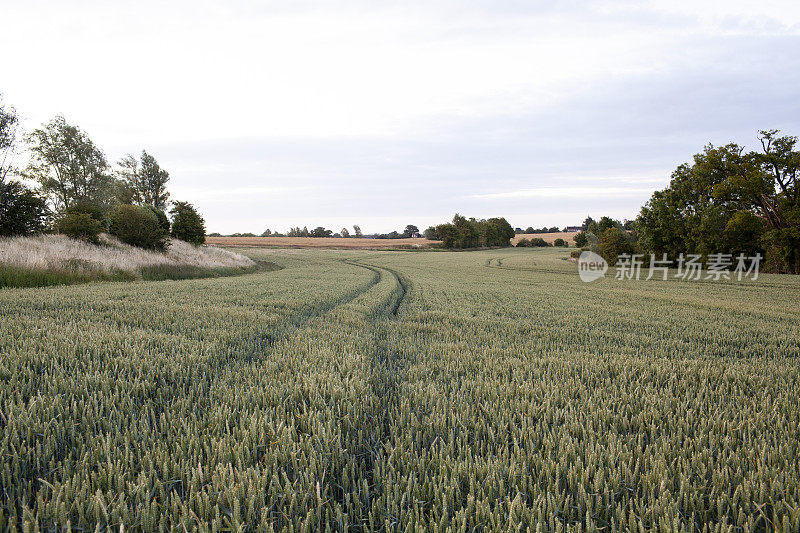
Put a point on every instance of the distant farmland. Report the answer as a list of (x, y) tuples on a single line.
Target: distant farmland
[(361, 244), (321, 242), (549, 237)]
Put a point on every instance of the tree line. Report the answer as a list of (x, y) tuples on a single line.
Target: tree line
[(727, 200), (465, 233), (410, 231), (81, 195)]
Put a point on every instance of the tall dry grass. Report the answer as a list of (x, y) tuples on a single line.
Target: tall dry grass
[(58, 253)]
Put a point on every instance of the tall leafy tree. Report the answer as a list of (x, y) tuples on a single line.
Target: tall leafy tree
[(68, 165), (146, 179), (22, 210), (411, 231), (729, 200), (187, 224), (8, 136)]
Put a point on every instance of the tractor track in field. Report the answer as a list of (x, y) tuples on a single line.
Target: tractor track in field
[(386, 372)]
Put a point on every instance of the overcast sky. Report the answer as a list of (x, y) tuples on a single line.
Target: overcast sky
[(276, 114)]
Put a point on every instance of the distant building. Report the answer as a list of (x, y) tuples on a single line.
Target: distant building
[(574, 228)]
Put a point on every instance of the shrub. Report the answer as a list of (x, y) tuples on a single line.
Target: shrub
[(91, 209), (614, 242), (80, 226), (523, 243), (163, 221), (138, 226), (580, 239), (187, 224), (560, 242), (22, 210)]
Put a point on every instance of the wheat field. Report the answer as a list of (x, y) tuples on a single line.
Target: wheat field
[(397, 391)]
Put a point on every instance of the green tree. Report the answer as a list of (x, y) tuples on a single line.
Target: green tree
[(319, 231), (22, 210), (411, 231), (80, 226), (8, 139), (345, 233), (138, 226), (614, 242), (163, 220), (67, 165), (702, 209), (357, 231), (146, 179), (471, 233), (187, 224), (744, 233)]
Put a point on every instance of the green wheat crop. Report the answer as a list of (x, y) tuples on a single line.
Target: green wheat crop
[(402, 391)]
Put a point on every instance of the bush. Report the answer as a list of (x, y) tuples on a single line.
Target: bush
[(22, 210), (163, 221), (138, 226), (80, 226), (613, 243), (91, 209), (536, 242), (581, 239), (560, 242), (187, 224)]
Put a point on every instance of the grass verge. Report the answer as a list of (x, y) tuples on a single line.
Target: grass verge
[(18, 277)]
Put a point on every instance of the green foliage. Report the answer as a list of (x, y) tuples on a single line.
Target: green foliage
[(12, 276), (138, 226), (319, 231), (481, 391), (297, 232), (187, 224), (68, 165), (163, 221), (465, 233), (430, 234), (581, 239), (560, 242), (411, 231), (80, 226), (146, 180), (536, 242), (744, 233), (91, 209), (614, 242), (702, 210), (22, 210), (9, 122)]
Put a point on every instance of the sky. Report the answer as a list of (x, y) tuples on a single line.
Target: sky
[(382, 114)]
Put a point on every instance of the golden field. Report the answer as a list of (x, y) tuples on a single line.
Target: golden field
[(321, 242), (549, 237)]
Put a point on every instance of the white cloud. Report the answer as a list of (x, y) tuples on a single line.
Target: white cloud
[(595, 192), (379, 110)]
